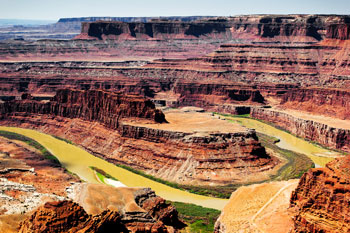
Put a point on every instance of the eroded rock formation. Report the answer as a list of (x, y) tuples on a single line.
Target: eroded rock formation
[(314, 130), (94, 105), (321, 200), (302, 27), (28, 180), (329, 102), (152, 214), (128, 132)]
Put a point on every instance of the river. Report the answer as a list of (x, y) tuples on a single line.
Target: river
[(320, 156), (78, 161)]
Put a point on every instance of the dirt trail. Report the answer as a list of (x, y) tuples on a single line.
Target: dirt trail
[(259, 208)]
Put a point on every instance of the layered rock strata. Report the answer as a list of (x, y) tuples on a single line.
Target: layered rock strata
[(87, 50), (321, 200), (195, 156), (333, 137), (329, 102), (123, 210), (316, 64), (302, 27), (94, 105)]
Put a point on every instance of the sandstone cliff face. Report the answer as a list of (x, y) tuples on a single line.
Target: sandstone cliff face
[(321, 200), (285, 27), (339, 30), (207, 94), (332, 137), (155, 29), (93, 105), (330, 102)]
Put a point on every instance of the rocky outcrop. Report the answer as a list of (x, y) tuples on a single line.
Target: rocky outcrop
[(212, 96), (321, 200), (103, 208), (324, 134), (158, 208), (68, 216), (330, 102), (55, 217), (94, 105)]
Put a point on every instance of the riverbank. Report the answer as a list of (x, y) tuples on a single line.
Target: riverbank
[(82, 160), (317, 153)]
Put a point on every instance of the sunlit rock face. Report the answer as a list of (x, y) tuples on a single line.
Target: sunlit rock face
[(321, 201)]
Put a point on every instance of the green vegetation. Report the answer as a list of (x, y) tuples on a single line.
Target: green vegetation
[(218, 191), (63, 139), (30, 142), (297, 164), (279, 128), (230, 115), (102, 174), (198, 219)]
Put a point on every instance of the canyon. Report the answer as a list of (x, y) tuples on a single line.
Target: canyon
[(113, 90), (129, 130)]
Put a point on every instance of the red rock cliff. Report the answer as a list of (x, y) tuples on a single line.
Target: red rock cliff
[(283, 27), (155, 29), (321, 200), (332, 137), (93, 105), (67, 216), (330, 102)]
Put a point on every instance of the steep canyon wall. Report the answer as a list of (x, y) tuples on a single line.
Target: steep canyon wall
[(306, 28), (336, 138)]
